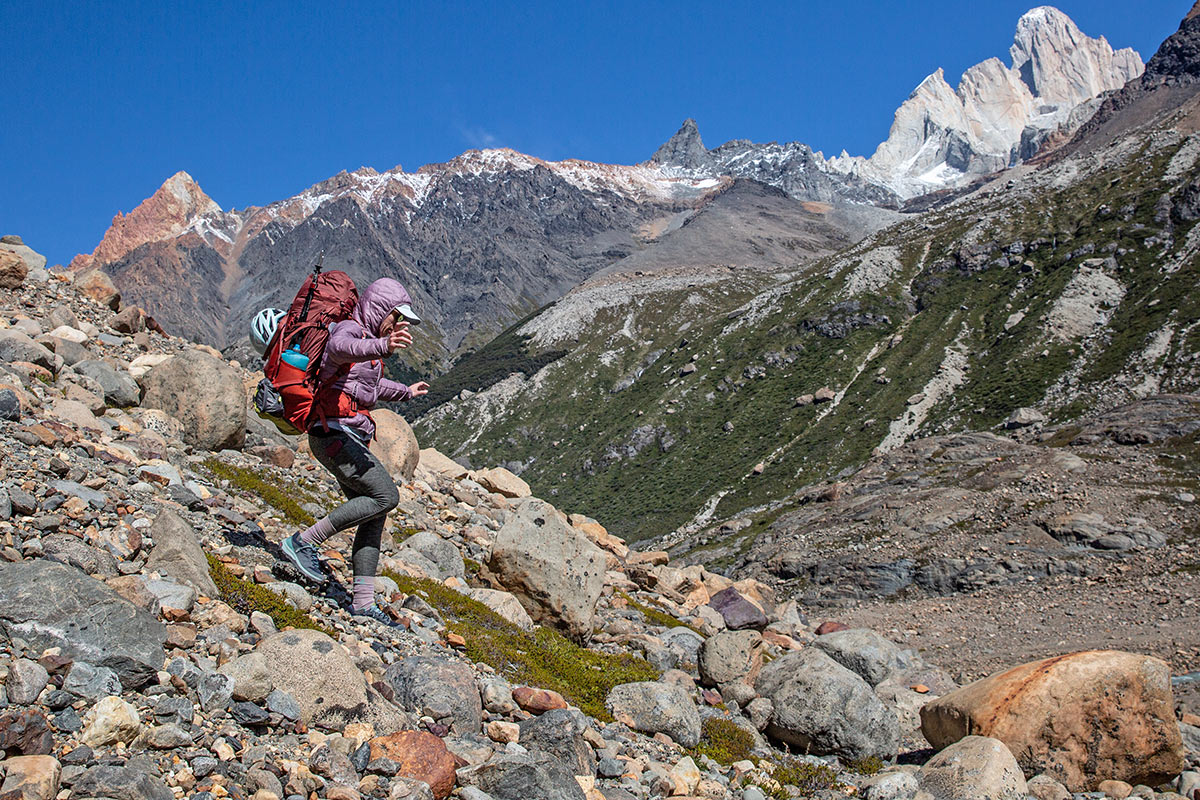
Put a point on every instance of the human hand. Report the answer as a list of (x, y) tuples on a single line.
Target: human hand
[(399, 338), (419, 388)]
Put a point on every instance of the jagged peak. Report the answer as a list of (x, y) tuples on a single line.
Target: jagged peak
[(684, 149)]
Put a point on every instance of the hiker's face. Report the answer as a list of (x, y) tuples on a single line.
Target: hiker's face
[(389, 322)]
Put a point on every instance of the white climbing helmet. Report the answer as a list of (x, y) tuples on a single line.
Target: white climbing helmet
[(262, 328)]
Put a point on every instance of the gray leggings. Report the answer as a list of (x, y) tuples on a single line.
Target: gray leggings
[(371, 494)]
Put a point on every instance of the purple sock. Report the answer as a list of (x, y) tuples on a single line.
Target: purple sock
[(364, 592), (321, 530)]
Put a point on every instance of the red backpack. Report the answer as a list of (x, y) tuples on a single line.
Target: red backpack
[(290, 395)]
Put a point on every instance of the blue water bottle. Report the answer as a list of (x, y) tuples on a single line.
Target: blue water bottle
[(293, 357)]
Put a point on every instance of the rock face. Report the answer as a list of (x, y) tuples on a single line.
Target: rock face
[(652, 707), (1081, 718), (177, 553), (205, 394), (820, 707), (441, 688), (318, 673), (395, 444), (88, 620), (554, 570), (974, 768)]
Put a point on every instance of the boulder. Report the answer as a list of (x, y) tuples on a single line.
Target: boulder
[(738, 612), (75, 414), (25, 732), (251, 677), (120, 389), (1024, 417), (67, 549), (730, 656), (1080, 718), (420, 756), (98, 286), (16, 345), (501, 481), (523, 777), (652, 707), (441, 688), (110, 721), (560, 733), (973, 768), (86, 618), (537, 701), (120, 783), (395, 444), (25, 682), (14, 245), (505, 604), (554, 570), (31, 777), (865, 652), (205, 394), (319, 674), (177, 553), (822, 708), (435, 461), (436, 550), (131, 319), (12, 270)]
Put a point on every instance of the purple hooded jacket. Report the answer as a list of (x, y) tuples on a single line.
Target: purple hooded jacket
[(356, 341)]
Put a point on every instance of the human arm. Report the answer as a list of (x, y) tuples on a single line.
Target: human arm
[(347, 345), (390, 390)]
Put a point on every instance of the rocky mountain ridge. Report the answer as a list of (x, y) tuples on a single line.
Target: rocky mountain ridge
[(493, 235), (941, 137), (536, 655)]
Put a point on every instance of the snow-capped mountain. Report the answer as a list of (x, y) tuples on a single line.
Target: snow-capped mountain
[(941, 137)]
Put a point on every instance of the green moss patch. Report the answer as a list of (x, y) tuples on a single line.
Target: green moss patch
[(724, 742), (283, 500), (655, 616), (543, 658), (245, 597)]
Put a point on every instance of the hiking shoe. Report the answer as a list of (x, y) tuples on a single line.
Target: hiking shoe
[(303, 556), (376, 613)]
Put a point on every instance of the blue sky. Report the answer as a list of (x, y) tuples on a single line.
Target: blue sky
[(104, 101)]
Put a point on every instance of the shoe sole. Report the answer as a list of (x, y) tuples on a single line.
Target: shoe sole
[(289, 551)]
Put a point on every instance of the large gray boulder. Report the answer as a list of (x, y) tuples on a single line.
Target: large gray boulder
[(16, 345), (973, 768), (437, 551), (205, 394), (822, 708), (177, 553), (120, 389), (731, 656), (442, 688), (52, 605), (864, 652), (554, 570), (559, 733), (523, 777), (319, 674), (652, 707)]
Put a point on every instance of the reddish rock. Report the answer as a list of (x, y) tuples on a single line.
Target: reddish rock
[(1081, 718), (25, 733), (162, 215), (711, 698), (738, 612), (277, 454), (538, 701), (12, 270), (130, 320), (419, 755), (830, 626), (98, 286)]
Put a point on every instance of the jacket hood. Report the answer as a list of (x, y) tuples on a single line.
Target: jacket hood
[(377, 301)]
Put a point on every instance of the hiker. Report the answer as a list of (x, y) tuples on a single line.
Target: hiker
[(340, 439)]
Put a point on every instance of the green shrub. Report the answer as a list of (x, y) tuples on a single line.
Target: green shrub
[(283, 501), (724, 742), (244, 597), (542, 658), (866, 766)]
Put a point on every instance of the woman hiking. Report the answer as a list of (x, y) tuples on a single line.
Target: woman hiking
[(377, 327)]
